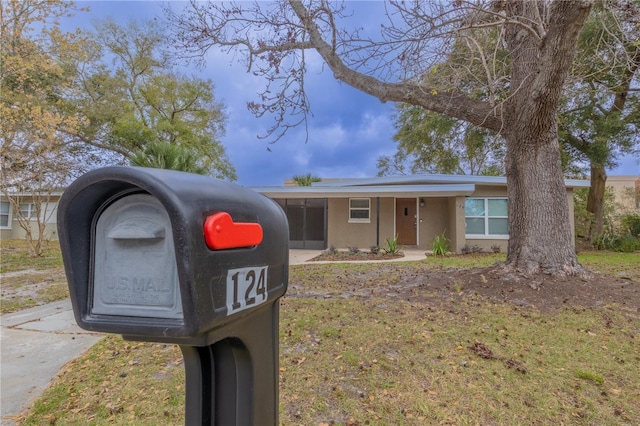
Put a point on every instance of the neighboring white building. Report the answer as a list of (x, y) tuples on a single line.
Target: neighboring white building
[(10, 227)]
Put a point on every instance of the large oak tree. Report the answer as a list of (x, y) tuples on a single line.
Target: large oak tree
[(539, 37)]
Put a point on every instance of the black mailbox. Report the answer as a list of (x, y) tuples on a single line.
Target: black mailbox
[(166, 256)]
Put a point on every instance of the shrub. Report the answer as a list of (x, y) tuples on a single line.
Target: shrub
[(584, 219), (467, 249), (627, 244), (610, 241), (605, 241), (354, 250), (496, 248), (332, 250), (440, 245), (392, 245), (375, 249), (631, 224)]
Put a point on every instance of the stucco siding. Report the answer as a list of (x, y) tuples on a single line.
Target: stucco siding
[(456, 224), (490, 191), (17, 233), (387, 220), (487, 245), (48, 216), (342, 233), (434, 220)]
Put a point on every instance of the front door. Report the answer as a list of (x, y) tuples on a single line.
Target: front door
[(406, 221)]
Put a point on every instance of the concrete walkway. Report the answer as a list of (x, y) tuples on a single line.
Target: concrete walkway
[(36, 343)]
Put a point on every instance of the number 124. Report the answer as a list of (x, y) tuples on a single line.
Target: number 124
[(246, 288)]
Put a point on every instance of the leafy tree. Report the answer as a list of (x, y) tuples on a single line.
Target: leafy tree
[(34, 160), (539, 40), (600, 117), (139, 104), (306, 180), (434, 143)]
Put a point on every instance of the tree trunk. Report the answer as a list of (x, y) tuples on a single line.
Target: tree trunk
[(595, 201), (539, 224), (540, 229)]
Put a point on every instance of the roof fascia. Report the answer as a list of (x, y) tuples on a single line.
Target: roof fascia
[(435, 179), (370, 191), (417, 179)]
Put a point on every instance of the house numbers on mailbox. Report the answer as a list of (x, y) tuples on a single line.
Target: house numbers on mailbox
[(246, 288)]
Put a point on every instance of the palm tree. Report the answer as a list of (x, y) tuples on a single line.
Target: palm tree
[(306, 180), (163, 155)]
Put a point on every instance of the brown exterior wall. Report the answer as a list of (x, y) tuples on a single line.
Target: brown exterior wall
[(433, 220), (490, 191), (387, 220), (342, 234), (456, 223)]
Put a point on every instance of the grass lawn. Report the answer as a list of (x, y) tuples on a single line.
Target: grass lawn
[(30, 281), (355, 349)]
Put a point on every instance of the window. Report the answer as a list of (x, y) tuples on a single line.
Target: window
[(5, 208), (359, 209), (28, 210), (487, 217)]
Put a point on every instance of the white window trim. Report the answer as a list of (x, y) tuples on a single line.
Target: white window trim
[(9, 217), (486, 235), (356, 220)]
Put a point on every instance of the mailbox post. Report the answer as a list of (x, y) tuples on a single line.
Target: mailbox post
[(166, 256)]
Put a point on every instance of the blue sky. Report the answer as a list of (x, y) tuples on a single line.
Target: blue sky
[(348, 132)]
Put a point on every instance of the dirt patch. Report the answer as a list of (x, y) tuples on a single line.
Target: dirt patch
[(547, 293), (441, 287), (30, 287), (30, 271)]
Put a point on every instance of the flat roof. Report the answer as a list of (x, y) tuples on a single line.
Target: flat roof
[(369, 191), (433, 179)]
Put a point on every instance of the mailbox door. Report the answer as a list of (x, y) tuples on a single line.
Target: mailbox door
[(135, 271)]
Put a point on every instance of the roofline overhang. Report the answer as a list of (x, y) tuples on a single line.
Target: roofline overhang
[(433, 179), (366, 191)]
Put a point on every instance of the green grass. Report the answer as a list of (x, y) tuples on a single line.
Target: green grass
[(380, 363), (625, 265), (135, 383), (14, 256), (30, 281), (351, 355)]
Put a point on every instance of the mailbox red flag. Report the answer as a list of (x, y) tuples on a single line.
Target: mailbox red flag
[(221, 232)]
